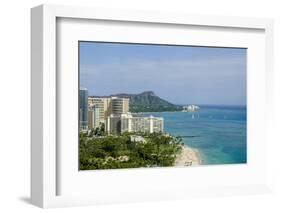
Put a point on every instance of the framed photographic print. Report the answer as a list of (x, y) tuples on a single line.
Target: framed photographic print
[(198, 119), (149, 106)]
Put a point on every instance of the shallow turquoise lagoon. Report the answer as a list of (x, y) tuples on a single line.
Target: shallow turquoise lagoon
[(218, 132)]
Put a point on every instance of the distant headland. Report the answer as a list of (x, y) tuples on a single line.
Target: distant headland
[(147, 101)]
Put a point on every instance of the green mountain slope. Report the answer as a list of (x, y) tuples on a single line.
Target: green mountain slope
[(148, 102)]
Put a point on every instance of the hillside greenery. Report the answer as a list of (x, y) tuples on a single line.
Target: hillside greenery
[(148, 101)]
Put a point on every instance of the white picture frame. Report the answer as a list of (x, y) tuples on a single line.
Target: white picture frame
[(45, 178)]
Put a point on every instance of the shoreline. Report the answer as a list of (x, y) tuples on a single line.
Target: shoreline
[(156, 112), (188, 157)]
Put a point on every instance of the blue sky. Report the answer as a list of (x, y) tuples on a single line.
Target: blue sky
[(179, 74)]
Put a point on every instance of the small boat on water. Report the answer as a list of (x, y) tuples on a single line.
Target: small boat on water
[(190, 108)]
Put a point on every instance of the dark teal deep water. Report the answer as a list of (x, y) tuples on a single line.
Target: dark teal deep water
[(218, 132)]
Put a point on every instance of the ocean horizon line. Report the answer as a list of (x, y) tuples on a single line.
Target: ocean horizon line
[(215, 105)]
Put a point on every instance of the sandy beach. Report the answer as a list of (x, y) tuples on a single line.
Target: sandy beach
[(188, 157)]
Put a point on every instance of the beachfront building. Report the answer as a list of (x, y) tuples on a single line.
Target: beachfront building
[(93, 117), (126, 122), (113, 124), (83, 109), (190, 108), (103, 104), (119, 105), (108, 106)]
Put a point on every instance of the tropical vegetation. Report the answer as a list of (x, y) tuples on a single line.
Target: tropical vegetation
[(100, 151)]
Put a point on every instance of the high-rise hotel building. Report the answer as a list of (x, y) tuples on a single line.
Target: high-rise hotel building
[(93, 117), (114, 113), (108, 106), (119, 105), (103, 104), (128, 123), (83, 109)]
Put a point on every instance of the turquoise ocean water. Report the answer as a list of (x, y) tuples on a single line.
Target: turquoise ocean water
[(217, 132)]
